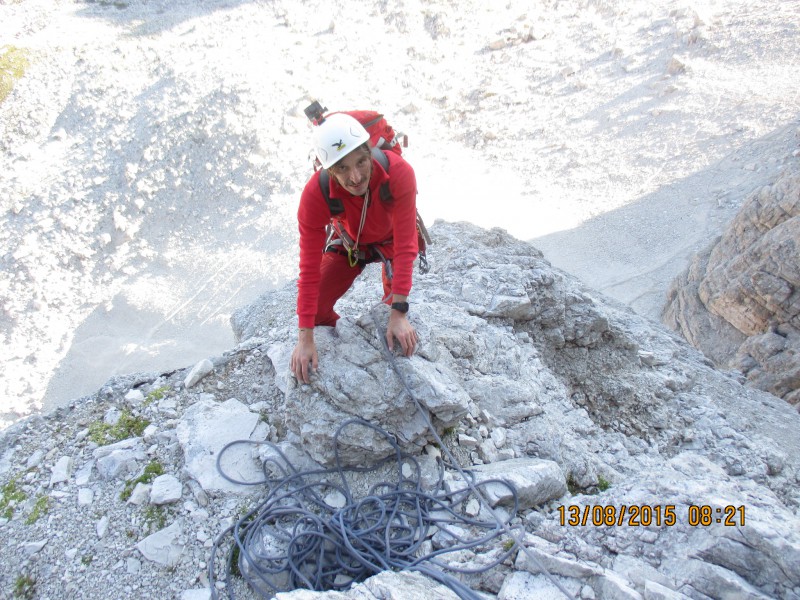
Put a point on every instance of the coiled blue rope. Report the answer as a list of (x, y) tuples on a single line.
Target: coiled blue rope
[(295, 539), (319, 547)]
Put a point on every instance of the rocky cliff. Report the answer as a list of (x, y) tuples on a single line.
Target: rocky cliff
[(641, 470), (739, 300)]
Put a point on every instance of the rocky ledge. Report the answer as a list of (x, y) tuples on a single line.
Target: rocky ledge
[(641, 470)]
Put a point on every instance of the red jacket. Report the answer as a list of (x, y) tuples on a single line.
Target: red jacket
[(393, 221)]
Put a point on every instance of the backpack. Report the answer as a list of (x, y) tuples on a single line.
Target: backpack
[(382, 139)]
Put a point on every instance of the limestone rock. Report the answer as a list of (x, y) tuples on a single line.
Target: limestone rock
[(739, 302), (542, 556), (523, 586), (404, 585), (205, 429), (31, 548), (163, 547), (200, 370), (62, 470), (119, 460), (356, 382), (165, 489), (536, 481), (85, 496)]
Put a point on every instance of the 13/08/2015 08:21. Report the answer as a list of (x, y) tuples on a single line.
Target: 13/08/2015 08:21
[(645, 515)]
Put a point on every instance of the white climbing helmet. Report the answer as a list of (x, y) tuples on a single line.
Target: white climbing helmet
[(336, 137)]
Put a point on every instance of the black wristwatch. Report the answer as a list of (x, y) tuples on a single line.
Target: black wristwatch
[(400, 307)]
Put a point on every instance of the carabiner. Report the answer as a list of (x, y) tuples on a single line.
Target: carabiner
[(352, 261)]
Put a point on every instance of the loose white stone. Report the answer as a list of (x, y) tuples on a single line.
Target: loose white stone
[(120, 464), (35, 459), (71, 553), (61, 470), (536, 481), (499, 437), (133, 443), (166, 489), (196, 594), (112, 416), (336, 500), (102, 527), (524, 586), (200, 370), (488, 451), (140, 494), (467, 441), (149, 433), (85, 496), (201, 514), (84, 475), (205, 429), (163, 547), (32, 548), (134, 397), (505, 454), (133, 565)]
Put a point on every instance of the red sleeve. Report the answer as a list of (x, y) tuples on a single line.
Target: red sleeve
[(403, 185), (313, 215)]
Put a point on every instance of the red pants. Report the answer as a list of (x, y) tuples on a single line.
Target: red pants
[(336, 278)]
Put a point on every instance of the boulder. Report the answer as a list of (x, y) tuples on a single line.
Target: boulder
[(205, 429), (357, 381)]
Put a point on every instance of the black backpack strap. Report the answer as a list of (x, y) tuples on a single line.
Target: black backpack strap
[(383, 160), (335, 204)]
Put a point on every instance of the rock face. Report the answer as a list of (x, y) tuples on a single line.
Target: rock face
[(357, 382), (641, 470), (739, 301)]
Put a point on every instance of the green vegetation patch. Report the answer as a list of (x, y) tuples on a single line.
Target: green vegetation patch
[(40, 509), (155, 517), (157, 394), (25, 587), (572, 485), (128, 426), (13, 63), (151, 471), (12, 496), (602, 485)]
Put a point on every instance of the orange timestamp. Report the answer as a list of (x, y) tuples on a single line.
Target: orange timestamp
[(646, 515)]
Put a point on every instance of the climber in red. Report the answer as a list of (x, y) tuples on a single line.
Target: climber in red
[(377, 222)]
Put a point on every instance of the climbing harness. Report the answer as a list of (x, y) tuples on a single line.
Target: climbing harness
[(336, 208)]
